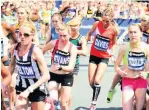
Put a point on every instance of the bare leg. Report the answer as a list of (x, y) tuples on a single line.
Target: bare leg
[(37, 105), (21, 104), (140, 94), (65, 97), (127, 98)]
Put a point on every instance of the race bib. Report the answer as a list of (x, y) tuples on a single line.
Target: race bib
[(136, 61), (61, 59), (101, 43), (25, 72)]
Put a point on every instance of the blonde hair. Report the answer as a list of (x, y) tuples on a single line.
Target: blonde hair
[(116, 28), (109, 12), (27, 12), (145, 17), (65, 28), (30, 25), (136, 24)]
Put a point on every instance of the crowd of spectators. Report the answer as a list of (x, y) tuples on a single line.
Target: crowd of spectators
[(43, 10)]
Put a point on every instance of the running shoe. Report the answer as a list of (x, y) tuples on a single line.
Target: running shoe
[(110, 95), (92, 107), (57, 105)]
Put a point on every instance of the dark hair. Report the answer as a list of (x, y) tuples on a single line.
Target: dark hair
[(63, 10)]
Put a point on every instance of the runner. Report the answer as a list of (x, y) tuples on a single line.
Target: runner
[(79, 41), (106, 33), (134, 55), (31, 68), (23, 17), (56, 24), (63, 61), (117, 78)]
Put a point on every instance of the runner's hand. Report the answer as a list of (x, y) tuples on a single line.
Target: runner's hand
[(121, 72), (24, 95), (113, 59), (143, 75), (4, 91), (55, 67), (51, 102)]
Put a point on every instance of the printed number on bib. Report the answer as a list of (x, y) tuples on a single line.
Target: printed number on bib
[(101, 43)]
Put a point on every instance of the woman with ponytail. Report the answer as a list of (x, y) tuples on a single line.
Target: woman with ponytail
[(101, 50)]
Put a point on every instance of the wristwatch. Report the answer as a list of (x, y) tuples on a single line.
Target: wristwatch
[(60, 68)]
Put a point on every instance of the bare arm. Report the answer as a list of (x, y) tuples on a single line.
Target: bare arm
[(147, 54), (48, 46), (91, 31), (147, 64), (6, 75), (119, 58), (114, 45), (83, 50), (48, 36), (12, 62), (11, 30), (38, 56)]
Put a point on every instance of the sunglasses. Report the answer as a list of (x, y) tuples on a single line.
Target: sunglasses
[(24, 34), (61, 35), (54, 21), (105, 21), (143, 20), (20, 13), (73, 25)]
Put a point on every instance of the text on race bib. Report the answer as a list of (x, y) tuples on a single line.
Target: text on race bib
[(101, 43), (26, 72), (61, 58)]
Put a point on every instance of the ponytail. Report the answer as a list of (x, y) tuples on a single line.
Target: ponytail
[(116, 27)]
